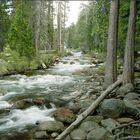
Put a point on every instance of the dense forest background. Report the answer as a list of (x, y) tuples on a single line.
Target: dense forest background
[(90, 32), (33, 33)]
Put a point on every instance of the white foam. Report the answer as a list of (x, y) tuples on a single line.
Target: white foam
[(4, 104), (37, 81), (21, 118)]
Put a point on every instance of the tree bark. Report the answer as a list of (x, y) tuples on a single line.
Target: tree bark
[(59, 24), (128, 72), (38, 21), (90, 110), (111, 60)]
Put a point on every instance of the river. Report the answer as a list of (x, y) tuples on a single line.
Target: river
[(55, 84)]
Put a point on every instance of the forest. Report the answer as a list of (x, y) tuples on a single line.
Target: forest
[(69, 82)]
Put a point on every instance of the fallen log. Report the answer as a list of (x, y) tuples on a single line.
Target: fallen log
[(89, 110)]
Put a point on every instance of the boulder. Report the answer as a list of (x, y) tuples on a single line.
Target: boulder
[(112, 108), (109, 124), (99, 134), (41, 135), (22, 104), (131, 108), (51, 126), (88, 126), (40, 101), (78, 134), (64, 114)]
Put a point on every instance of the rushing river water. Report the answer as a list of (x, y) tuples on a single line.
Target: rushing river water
[(56, 82)]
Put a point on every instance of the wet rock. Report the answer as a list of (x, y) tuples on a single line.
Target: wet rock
[(88, 126), (51, 126), (72, 62), (39, 101), (95, 118), (131, 108), (112, 108), (64, 114), (22, 104), (124, 120), (99, 134), (109, 124), (78, 134), (4, 110), (41, 135), (64, 62)]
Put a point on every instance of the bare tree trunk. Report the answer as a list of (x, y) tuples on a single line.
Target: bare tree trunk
[(90, 110), (111, 60), (63, 24), (128, 72), (59, 21), (37, 32)]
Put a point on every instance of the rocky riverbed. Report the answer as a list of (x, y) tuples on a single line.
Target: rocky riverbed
[(41, 106)]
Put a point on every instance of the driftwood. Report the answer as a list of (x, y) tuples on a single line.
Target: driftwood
[(89, 110), (134, 123)]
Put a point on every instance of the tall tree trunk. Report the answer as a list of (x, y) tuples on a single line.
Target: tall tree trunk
[(38, 28), (63, 24), (111, 60), (59, 21), (128, 72)]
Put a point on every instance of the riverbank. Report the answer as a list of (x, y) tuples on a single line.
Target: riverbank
[(14, 64)]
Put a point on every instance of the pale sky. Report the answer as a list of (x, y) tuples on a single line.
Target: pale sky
[(74, 11)]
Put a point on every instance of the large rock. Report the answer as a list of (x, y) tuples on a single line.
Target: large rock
[(22, 104), (78, 134), (64, 115), (88, 126), (98, 134), (109, 124), (112, 108), (40, 101), (51, 126), (131, 108)]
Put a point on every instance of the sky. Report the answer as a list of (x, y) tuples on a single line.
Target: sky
[(74, 11)]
